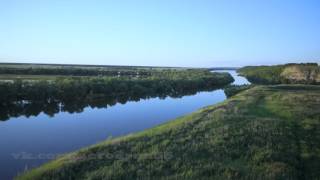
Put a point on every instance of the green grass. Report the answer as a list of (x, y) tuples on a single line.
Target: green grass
[(47, 70), (266, 132)]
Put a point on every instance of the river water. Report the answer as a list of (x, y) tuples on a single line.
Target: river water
[(27, 142)]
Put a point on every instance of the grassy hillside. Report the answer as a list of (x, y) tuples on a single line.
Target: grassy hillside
[(308, 73), (266, 132)]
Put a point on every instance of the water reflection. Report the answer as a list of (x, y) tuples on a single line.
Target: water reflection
[(76, 104)]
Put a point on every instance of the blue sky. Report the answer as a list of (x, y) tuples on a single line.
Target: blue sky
[(196, 33)]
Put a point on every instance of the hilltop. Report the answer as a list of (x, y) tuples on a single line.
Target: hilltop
[(307, 73)]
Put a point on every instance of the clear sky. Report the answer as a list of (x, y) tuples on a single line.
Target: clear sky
[(197, 33)]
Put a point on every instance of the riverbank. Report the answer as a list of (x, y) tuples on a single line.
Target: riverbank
[(265, 132), (71, 112)]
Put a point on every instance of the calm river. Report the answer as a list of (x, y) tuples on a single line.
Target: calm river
[(27, 142)]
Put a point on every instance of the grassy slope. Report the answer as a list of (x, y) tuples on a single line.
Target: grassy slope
[(267, 132)]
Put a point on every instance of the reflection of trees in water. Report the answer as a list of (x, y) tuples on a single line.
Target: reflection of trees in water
[(51, 100)]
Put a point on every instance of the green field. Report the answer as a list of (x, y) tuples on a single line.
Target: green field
[(29, 77), (266, 132), (40, 71)]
